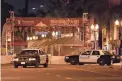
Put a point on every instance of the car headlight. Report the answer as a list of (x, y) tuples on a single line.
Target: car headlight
[(66, 57), (16, 59), (32, 59)]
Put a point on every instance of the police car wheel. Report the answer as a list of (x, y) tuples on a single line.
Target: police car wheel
[(15, 66), (73, 62), (45, 65), (101, 62), (37, 65), (108, 61), (108, 64), (24, 66)]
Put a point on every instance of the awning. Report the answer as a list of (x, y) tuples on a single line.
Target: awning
[(41, 24)]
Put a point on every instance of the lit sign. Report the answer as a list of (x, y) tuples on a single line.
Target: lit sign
[(64, 22), (25, 22)]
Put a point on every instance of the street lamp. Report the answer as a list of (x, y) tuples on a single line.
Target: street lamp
[(28, 38), (31, 38), (33, 8), (41, 6), (119, 25), (95, 30), (34, 37), (117, 22)]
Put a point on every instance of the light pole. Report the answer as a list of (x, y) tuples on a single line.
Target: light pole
[(119, 25), (6, 44), (94, 29)]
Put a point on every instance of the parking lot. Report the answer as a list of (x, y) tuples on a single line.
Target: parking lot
[(62, 73)]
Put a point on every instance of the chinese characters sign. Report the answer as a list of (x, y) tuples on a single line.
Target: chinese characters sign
[(65, 22)]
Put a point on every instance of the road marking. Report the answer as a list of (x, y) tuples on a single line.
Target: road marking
[(101, 78), (58, 75), (68, 78), (10, 78), (16, 78), (94, 72), (47, 73)]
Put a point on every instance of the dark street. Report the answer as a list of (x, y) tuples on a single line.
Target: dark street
[(62, 73)]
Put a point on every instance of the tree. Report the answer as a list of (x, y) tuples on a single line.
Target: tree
[(65, 8), (117, 10)]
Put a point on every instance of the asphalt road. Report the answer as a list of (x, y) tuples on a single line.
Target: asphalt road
[(61, 73)]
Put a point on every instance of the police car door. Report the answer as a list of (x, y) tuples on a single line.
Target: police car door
[(95, 55), (84, 57), (42, 57)]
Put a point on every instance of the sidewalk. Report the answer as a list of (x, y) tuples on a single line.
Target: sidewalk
[(117, 64)]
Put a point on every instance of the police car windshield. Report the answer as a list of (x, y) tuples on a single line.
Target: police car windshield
[(28, 52), (86, 53), (107, 53)]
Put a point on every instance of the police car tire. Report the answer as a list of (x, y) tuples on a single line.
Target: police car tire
[(73, 61), (101, 62), (108, 64), (15, 66), (24, 66), (108, 61), (37, 65), (45, 65)]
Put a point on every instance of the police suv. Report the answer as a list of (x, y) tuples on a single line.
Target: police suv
[(30, 57), (100, 57)]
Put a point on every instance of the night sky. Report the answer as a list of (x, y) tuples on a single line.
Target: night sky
[(19, 4)]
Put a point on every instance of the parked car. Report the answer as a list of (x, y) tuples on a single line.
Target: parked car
[(100, 57), (72, 59), (30, 57)]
